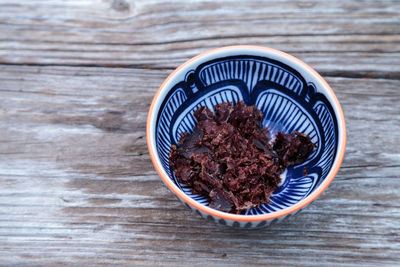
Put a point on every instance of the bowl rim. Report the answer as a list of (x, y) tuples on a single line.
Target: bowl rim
[(239, 217)]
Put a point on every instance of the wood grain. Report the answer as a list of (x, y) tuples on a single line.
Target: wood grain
[(77, 185)]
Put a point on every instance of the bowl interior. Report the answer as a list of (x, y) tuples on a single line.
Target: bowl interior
[(289, 99)]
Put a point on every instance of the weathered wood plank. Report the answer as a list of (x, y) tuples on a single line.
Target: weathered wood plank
[(46, 96), (159, 35), (76, 182), (76, 189)]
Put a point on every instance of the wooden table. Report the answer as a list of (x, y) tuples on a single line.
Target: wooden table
[(76, 182)]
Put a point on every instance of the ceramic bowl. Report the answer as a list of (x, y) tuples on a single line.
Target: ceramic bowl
[(291, 95)]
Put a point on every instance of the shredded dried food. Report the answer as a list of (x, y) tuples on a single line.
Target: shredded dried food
[(230, 159)]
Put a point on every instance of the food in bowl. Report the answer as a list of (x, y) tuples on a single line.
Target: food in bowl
[(232, 160), (291, 96)]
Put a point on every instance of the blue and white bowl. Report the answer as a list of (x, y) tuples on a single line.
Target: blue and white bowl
[(292, 97)]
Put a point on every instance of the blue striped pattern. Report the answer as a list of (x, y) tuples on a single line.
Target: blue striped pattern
[(283, 111), (293, 192), (201, 199), (328, 154), (162, 129), (250, 71)]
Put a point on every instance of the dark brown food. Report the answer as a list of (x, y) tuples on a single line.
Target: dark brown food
[(229, 159), (293, 150)]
